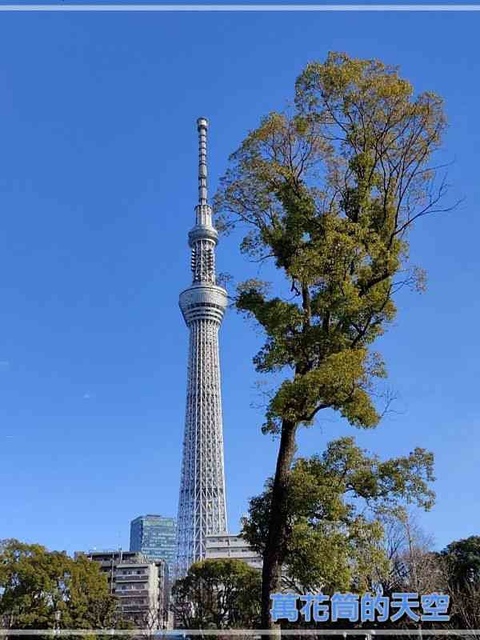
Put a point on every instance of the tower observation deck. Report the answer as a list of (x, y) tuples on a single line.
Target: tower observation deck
[(202, 508)]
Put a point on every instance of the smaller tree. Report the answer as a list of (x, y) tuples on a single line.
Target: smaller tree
[(413, 564), (461, 563), (43, 589), (335, 503), (151, 622), (462, 559), (219, 594)]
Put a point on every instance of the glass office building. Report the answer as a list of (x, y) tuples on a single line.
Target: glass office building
[(155, 537)]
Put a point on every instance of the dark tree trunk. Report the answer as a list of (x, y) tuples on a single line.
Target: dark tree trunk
[(274, 548)]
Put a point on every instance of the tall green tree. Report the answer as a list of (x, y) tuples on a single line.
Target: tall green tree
[(335, 536), (43, 589), (327, 193), (219, 594)]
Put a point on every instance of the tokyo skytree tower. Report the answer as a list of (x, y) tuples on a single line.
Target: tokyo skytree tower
[(202, 509)]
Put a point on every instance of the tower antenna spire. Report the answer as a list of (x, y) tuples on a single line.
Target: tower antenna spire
[(202, 126)]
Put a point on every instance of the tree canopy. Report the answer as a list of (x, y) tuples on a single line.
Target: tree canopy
[(328, 193), (41, 589), (463, 560), (221, 594)]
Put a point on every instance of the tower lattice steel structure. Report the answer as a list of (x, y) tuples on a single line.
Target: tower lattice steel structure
[(202, 509)]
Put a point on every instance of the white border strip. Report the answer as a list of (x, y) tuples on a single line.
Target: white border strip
[(238, 632), (238, 7)]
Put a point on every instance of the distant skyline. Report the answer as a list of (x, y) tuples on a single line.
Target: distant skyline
[(97, 192)]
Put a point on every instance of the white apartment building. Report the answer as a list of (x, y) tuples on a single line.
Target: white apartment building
[(138, 583), (225, 545)]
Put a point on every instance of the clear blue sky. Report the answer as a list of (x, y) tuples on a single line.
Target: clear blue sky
[(97, 189)]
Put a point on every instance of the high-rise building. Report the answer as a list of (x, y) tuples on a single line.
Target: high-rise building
[(155, 537), (202, 509)]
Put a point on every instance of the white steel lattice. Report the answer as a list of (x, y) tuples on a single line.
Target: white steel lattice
[(202, 508)]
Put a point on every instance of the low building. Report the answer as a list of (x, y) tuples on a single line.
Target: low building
[(221, 546), (137, 582)]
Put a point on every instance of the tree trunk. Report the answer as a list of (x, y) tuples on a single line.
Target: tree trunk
[(273, 556)]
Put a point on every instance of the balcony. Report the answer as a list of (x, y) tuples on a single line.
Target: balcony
[(131, 578), (132, 593), (131, 608)]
